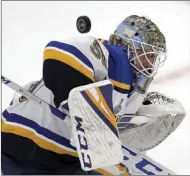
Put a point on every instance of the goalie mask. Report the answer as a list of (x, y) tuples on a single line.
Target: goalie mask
[(143, 43)]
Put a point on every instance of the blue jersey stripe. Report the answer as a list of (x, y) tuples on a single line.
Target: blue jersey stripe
[(57, 113), (65, 106), (71, 49), (11, 117), (11, 103)]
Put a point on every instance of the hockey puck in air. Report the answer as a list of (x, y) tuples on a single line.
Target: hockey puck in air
[(83, 24)]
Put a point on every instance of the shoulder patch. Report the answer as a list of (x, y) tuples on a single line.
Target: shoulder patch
[(22, 98)]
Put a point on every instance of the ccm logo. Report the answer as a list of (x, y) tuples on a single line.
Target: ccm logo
[(83, 143)]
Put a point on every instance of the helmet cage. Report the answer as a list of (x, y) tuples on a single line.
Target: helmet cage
[(131, 46)]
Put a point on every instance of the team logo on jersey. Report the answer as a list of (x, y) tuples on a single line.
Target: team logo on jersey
[(22, 98), (98, 53)]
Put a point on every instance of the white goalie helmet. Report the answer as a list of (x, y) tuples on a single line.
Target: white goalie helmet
[(143, 43)]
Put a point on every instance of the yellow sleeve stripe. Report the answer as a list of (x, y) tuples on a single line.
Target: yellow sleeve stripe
[(110, 119), (69, 60), (7, 128), (120, 85)]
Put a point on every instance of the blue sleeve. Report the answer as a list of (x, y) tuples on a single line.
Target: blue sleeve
[(120, 71)]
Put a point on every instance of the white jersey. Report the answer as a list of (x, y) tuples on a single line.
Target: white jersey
[(41, 125)]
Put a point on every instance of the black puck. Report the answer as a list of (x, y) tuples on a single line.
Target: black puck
[(83, 24)]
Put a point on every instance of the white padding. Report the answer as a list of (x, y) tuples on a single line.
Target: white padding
[(96, 144)]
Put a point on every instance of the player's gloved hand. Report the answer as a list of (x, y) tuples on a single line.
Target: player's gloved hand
[(154, 121)]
